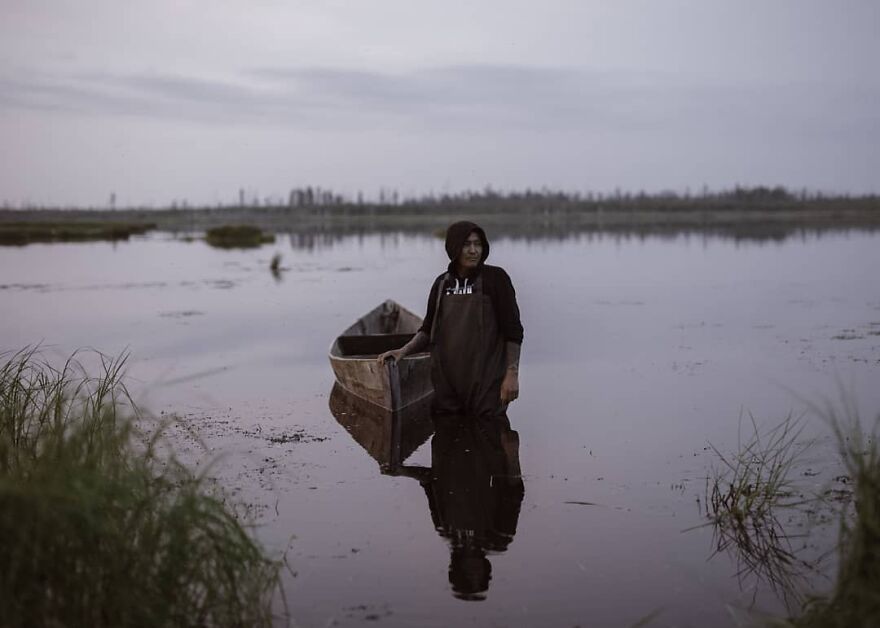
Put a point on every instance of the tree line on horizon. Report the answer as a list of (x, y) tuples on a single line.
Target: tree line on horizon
[(316, 198)]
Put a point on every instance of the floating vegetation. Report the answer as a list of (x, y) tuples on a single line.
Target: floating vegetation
[(21, 233), (181, 314), (100, 525), (237, 237), (848, 334)]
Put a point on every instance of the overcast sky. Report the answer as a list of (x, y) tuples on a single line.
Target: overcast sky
[(160, 100)]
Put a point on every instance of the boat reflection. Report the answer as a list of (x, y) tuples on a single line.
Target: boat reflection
[(389, 437)]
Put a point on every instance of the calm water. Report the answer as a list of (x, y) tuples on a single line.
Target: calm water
[(637, 353)]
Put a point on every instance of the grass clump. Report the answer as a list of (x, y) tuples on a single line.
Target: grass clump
[(21, 233), (855, 600), (755, 480), (745, 497), (97, 528), (237, 236)]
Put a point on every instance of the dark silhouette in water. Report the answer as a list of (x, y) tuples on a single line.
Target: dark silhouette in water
[(474, 492), (474, 485)]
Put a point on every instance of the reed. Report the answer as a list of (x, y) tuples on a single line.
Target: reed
[(100, 525), (855, 600), (745, 495)]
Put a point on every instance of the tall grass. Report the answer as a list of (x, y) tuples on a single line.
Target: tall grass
[(745, 496), (855, 600), (97, 528)]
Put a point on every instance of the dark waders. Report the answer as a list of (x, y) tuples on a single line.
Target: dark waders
[(468, 357)]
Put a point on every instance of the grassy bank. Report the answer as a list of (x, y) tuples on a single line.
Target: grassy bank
[(26, 232), (97, 527)]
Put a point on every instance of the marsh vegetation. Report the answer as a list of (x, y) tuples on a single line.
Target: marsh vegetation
[(237, 237), (854, 601), (750, 492), (27, 232), (751, 496), (100, 524)]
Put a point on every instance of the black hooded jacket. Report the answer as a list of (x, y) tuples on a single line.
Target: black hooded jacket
[(496, 283)]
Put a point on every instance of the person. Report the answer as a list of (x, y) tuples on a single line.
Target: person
[(473, 330)]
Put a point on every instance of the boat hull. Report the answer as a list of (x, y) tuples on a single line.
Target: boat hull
[(353, 358)]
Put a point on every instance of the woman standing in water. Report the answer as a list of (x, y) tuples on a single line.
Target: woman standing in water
[(473, 329)]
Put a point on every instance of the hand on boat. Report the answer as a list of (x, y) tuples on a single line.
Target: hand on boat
[(509, 386), (396, 355)]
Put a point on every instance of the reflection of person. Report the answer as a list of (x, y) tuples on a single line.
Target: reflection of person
[(473, 329), (474, 493)]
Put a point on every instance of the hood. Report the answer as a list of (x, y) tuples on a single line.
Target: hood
[(458, 232)]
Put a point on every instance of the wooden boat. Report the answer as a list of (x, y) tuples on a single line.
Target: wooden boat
[(353, 358), (389, 437)]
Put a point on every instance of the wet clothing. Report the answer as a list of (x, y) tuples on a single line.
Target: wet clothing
[(469, 321)]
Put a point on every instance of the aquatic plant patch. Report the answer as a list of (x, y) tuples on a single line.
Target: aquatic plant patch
[(100, 524), (237, 236)]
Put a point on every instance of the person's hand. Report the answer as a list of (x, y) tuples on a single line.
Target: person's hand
[(396, 355), (509, 386)]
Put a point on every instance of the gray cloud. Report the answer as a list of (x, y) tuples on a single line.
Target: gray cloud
[(457, 97), (505, 124)]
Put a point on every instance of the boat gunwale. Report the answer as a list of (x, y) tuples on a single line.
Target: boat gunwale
[(421, 355), (334, 353), (359, 362)]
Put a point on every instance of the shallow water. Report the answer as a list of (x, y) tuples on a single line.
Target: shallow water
[(638, 352)]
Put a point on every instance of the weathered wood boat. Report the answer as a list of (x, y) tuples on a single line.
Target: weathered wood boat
[(353, 358)]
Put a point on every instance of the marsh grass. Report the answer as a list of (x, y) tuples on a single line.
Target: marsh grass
[(237, 236), (746, 494), (854, 601), (97, 527), (757, 478), (25, 232)]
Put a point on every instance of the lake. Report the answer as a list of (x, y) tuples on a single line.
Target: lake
[(638, 353)]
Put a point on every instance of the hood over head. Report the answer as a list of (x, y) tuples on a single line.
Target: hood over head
[(458, 232)]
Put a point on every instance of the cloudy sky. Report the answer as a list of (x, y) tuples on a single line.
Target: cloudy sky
[(160, 100)]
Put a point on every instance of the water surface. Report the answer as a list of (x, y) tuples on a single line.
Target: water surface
[(638, 351)]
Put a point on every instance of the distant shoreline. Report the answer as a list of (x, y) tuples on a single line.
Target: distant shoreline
[(747, 214)]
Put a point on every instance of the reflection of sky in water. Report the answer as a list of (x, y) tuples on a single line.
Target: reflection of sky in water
[(636, 353)]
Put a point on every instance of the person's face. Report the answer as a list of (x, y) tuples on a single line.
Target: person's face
[(471, 252)]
